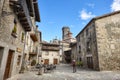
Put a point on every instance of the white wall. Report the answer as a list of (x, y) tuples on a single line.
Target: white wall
[(50, 55)]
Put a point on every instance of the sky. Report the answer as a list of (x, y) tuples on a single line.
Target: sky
[(75, 14)]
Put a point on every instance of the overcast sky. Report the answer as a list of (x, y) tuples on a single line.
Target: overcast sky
[(75, 14)]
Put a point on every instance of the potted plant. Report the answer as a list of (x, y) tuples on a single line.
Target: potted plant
[(14, 31), (33, 62), (79, 63)]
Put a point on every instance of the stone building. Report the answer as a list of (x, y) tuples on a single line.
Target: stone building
[(98, 44), (50, 53), (67, 39), (73, 47), (32, 47), (15, 24), (67, 35)]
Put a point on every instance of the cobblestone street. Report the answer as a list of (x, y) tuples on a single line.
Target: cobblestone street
[(64, 72)]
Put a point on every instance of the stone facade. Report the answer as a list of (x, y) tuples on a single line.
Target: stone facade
[(67, 39), (14, 29), (50, 53), (73, 51), (108, 32), (98, 43), (67, 35), (65, 31), (32, 46), (1, 6), (9, 42)]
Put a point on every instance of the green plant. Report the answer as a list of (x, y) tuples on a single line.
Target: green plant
[(33, 62), (79, 63), (14, 29)]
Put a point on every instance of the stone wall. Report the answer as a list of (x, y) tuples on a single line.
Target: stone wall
[(1, 6), (108, 42), (88, 35), (7, 25), (73, 51), (10, 43), (91, 38)]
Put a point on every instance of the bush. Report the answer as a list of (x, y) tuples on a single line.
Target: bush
[(33, 62), (79, 63)]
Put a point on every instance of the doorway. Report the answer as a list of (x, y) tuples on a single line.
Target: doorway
[(55, 61), (90, 62), (46, 61), (8, 65)]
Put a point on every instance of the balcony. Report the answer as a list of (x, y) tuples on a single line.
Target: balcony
[(33, 36), (50, 48), (33, 52), (21, 10)]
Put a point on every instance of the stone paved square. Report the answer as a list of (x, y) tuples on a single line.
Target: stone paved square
[(64, 72)]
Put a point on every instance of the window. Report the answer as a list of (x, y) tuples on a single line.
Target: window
[(18, 60), (78, 38), (14, 31), (87, 32), (22, 37), (88, 46), (90, 62), (80, 59), (1, 55), (79, 49), (82, 35)]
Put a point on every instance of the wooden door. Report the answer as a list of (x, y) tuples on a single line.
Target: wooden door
[(8, 65), (90, 62), (46, 61), (55, 61)]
